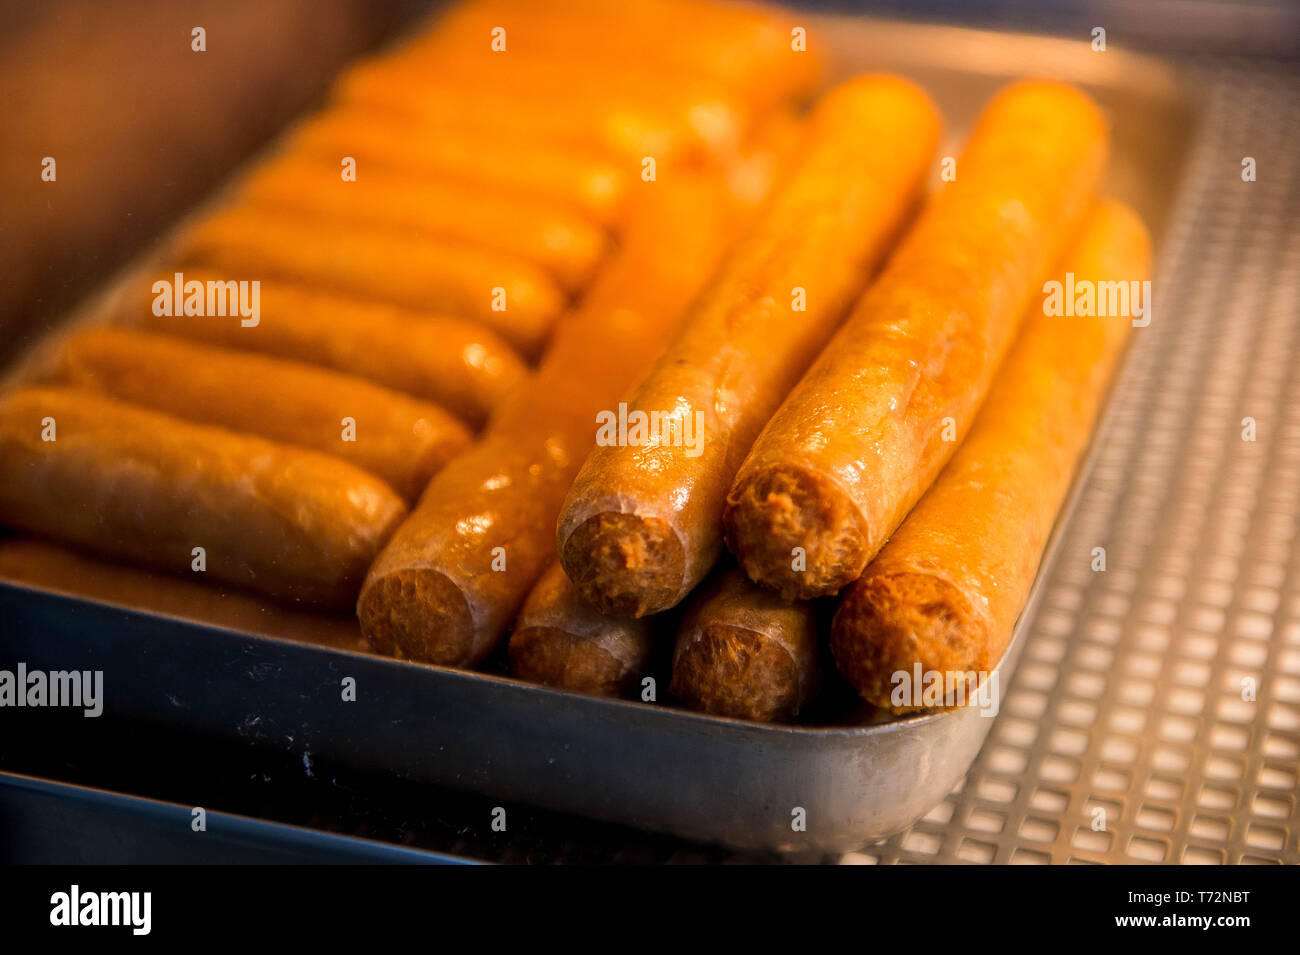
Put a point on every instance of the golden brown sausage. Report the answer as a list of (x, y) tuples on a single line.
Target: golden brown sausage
[(47, 566), (532, 229), (943, 595), (642, 524), (744, 652), (579, 178), (515, 299), (766, 159), (749, 49), (461, 365), (875, 419), (454, 576), (626, 116), (136, 484), (562, 641), (391, 435)]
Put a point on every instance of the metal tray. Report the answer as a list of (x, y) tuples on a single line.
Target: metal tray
[(650, 766)]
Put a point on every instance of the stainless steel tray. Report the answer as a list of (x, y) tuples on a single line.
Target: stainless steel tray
[(651, 766)]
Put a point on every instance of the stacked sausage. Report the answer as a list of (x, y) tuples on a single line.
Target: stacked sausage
[(520, 223), (814, 464), (414, 248), (842, 469)]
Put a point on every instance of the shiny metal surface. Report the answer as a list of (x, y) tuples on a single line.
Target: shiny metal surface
[(652, 767), (659, 768)]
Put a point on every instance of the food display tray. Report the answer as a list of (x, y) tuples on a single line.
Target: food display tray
[(791, 788)]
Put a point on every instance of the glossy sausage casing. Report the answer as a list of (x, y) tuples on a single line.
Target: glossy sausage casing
[(514, 298), (49, 566), (136, 484), (747, 49), (461, 365), (562, 641), (624, 116), (533, 229), (643, 522), (744, 652), (944, 593), (392, 435), (582, 179), (455, 574), (864, 433)]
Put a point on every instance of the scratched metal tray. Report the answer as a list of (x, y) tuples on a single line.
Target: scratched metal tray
[(857, 778)]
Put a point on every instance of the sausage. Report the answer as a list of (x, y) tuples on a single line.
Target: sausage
[(943, 595), (516, 299), (48, 566), (433, 594), (579, 178), (391, 435), (874, 420), (747, 49), (458, 364), (531, 229), (135, 484), (642, 524), (766, 159), (625, 116), (562, 641), (744, 652)]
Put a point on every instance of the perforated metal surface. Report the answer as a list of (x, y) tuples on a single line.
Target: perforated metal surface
[(1134, 694)]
